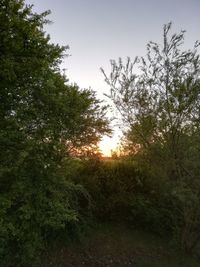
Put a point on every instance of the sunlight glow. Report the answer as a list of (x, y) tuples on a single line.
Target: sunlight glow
[(109, 144)]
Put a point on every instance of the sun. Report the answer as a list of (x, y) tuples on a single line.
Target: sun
[(108, 144)]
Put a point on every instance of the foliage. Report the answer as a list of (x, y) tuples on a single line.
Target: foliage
[(112, 185), (160, 108), (43, 119), (33, 215), (161, 104)]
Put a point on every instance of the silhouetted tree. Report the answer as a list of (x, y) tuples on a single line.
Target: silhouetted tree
[(160, 108)]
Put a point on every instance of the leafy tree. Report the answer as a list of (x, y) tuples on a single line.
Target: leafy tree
[(160, 106), (160, 110), (42, 119)]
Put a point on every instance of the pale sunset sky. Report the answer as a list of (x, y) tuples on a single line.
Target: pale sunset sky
[(100, 30)]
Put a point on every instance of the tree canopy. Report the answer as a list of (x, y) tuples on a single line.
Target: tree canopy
[(160, 111), (43, 118), (160, 106)]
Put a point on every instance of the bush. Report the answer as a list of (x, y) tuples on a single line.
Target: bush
[(123, 191), (33, 215), (113, 186)]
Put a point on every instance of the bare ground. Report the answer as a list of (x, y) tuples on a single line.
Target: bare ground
[(110, 246)]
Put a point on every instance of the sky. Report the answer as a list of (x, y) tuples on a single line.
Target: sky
[(100, 30)]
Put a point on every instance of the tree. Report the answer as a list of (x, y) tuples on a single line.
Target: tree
[(160, 108), (42, 118)]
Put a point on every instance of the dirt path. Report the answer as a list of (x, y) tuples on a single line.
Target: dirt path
[(110, 246)]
